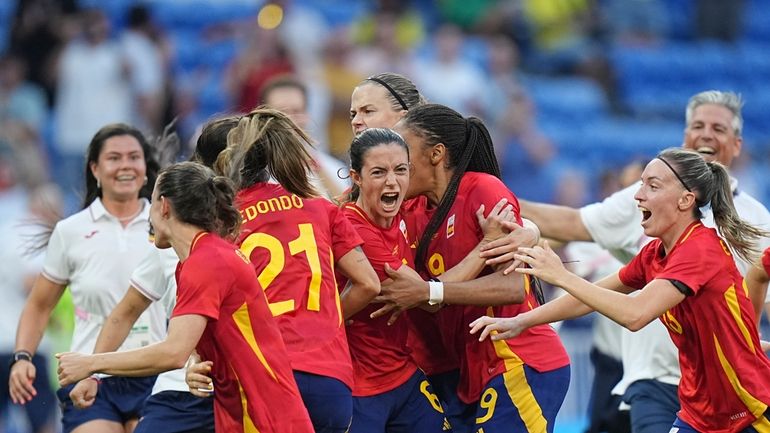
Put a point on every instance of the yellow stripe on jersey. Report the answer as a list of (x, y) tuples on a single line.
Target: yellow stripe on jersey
[(761, 425), (503, 350), (336, 288), (745, 288), (521, 395), (689, 233), (731, 296), (243, 322), (755, 406), (355, 209), (248, 424)]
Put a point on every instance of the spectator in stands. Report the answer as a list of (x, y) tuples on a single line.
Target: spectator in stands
[(147, 66), (92, 91)]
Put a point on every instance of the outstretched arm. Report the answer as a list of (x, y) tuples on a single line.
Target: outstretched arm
[(756, 281), (172, 353), (561, 223)]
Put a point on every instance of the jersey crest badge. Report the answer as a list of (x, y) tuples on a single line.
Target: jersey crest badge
[(450, 226)]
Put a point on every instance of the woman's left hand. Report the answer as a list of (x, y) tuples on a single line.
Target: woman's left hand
[(544, 263), (73, 367)]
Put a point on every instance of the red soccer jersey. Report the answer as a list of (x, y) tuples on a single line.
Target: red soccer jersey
[(292, 243), (381, 359), (725, 382), (538, 347), (252, 377)]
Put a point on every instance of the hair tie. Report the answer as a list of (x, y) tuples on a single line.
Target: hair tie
[(675, 173), (390, 89)]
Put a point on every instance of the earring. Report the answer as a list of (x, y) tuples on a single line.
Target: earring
[(145, 180), (98, 184)]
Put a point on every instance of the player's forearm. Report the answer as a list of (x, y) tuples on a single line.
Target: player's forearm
[(153, 359), (756, 282), (493, 289), (561, 223), (357, 296), (468, 268)]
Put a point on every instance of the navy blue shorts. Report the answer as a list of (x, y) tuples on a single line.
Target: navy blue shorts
[(459, 414), (654, 405), (411, 407), (41, 410), (120, 399), (329, 402), (522, 400), (177, 412), (761, 424)]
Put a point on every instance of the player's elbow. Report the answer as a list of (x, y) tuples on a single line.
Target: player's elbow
[(635, 323), (370, 285)]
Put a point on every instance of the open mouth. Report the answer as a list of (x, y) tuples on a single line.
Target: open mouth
[(646, 214), (126, 178), (706, 150), (389, 199)]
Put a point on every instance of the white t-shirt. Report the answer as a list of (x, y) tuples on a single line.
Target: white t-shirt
[(615, 224), (93, 253), (154, 278)]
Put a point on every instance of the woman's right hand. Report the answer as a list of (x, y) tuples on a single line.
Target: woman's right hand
[(84, 393), (498, 328), (197, 378), (492, 225), (20, 382)]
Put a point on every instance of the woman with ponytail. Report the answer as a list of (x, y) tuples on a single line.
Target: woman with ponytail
[(221, 311), (687, 277), (296, 242), (455, 172)]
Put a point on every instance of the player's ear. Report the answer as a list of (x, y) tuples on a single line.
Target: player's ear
[(437, 153)]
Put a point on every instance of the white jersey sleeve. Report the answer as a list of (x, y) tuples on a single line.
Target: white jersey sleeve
[(615, 223), (154, 276)]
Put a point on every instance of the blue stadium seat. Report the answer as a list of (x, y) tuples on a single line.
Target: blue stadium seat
[(572, 100)]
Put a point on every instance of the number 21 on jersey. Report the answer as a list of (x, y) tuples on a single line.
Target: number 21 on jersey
[(304, 243)]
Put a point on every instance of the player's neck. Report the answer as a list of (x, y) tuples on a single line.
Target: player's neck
[(183, 238), (440, 184)]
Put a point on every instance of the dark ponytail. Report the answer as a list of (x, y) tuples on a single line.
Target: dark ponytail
[(201, 198), (469, 148)]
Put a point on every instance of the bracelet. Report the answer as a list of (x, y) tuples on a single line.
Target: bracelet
[(436, 292), (21, 355)]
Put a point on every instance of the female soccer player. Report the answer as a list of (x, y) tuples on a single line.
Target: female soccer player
[(382, 100), (686, 277), (295, 242), (523, 382), (94, 252), (171, 408), (220, 308), (390, 394)]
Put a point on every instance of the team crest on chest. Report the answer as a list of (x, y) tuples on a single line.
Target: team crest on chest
[(450, 226), (402, 227)]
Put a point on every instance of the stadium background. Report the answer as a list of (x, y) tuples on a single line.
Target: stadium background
[(572, 90)]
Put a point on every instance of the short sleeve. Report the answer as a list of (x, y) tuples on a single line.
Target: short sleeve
[(633, 274), (488, 191), (378, 252), (344, 236), (199, 291), (615, 223), (691, 264), (56, 266), (150, 276)]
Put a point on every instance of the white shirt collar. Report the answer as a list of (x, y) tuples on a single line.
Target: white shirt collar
[(97, 211)]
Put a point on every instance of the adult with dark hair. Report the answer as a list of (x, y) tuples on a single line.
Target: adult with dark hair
[(296, 241), (221, 310), (93, 252), (523, 382), (687, 277), (171, 407), (713, 128), (390, 394)]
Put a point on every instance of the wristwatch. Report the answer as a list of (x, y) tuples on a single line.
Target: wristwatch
[(21, 355)]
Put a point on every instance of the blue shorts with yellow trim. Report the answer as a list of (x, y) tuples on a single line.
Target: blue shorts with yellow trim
[(522, 400), (761, 425), (409, 408), (459, 414)]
